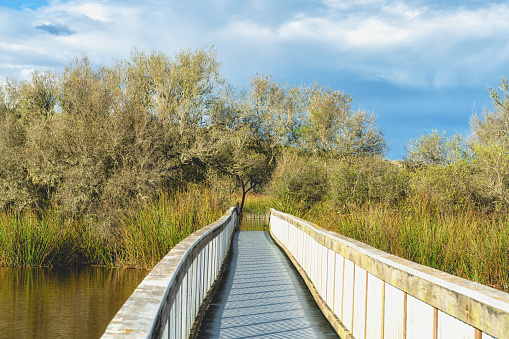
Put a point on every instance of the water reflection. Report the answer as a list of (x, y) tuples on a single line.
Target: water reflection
[(254, 222), (70, 302)]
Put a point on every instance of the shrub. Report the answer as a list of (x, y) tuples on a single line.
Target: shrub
[(357, 180), (300, 180)]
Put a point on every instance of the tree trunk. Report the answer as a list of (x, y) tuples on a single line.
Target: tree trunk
[(244, 192)]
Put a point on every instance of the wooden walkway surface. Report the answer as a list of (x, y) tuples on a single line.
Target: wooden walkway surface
[(262, 296)]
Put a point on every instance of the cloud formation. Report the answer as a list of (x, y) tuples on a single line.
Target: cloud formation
[(429, 44), (411, 43), (408, 45)]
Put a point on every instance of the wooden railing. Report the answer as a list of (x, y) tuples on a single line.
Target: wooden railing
[(170, 300), (367, 293)]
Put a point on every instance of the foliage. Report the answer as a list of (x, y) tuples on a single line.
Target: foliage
[(359, 180), (304, 180), (490, 144), (333, 128), (150, 231), (445, 206), (239, 155), (93, 140), (273, 111), (258, 204), (96, 140), (100, 165), (455, 172), (30, 240), (299, 180), (436, 149)]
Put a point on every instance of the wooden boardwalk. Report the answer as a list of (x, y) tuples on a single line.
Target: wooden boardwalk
[(262, 296)]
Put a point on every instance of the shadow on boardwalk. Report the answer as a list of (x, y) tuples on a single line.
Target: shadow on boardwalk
[(262, 296)]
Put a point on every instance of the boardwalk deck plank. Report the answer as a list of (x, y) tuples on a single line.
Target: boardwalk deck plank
[(262, 296)]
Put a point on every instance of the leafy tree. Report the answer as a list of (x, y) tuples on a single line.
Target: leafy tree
[(490, 143), (436, 149), (333, 128), (96, 139), (248, 129), (239, 155), (273, 111), (100, 138)]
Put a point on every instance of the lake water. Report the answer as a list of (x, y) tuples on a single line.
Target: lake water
[(69, 302), (252, 222)]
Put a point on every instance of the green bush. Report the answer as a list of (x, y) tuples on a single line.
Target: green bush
[(358, 180), (455, 172), (299, 180)]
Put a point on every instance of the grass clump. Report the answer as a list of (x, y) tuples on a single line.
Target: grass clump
[(150, 231), (467, 244), (141, 237), (28, 239), (258, 204)]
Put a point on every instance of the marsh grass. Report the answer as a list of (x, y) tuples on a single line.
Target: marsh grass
[(467, 244), (27, 239), (258, 204), (148, 233), (143, 235)]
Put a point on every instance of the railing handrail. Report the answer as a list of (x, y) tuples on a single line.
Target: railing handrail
[(480, 306), (148, 307)]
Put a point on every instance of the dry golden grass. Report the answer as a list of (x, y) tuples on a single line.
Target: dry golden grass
[(467, 244)]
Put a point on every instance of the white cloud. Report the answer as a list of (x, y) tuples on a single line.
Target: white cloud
[(403, 42), (250, 31), (374, 33), (92, 10), (397, 42)]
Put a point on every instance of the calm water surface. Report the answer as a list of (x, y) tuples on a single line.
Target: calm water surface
[(70, 302), (254, 222)]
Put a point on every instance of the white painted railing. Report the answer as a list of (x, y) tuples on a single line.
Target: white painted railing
[(367, 293), (167, 301)]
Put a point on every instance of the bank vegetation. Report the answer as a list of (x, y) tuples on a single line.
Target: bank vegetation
[(114, 165)]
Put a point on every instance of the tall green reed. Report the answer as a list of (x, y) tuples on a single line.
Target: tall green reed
[(139, 238), (257, 204), (150, 231), (27, 239)]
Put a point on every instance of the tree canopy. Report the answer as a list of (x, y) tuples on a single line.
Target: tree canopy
[(96, 136)]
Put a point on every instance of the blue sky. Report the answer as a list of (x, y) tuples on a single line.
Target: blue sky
[(417, 64)]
